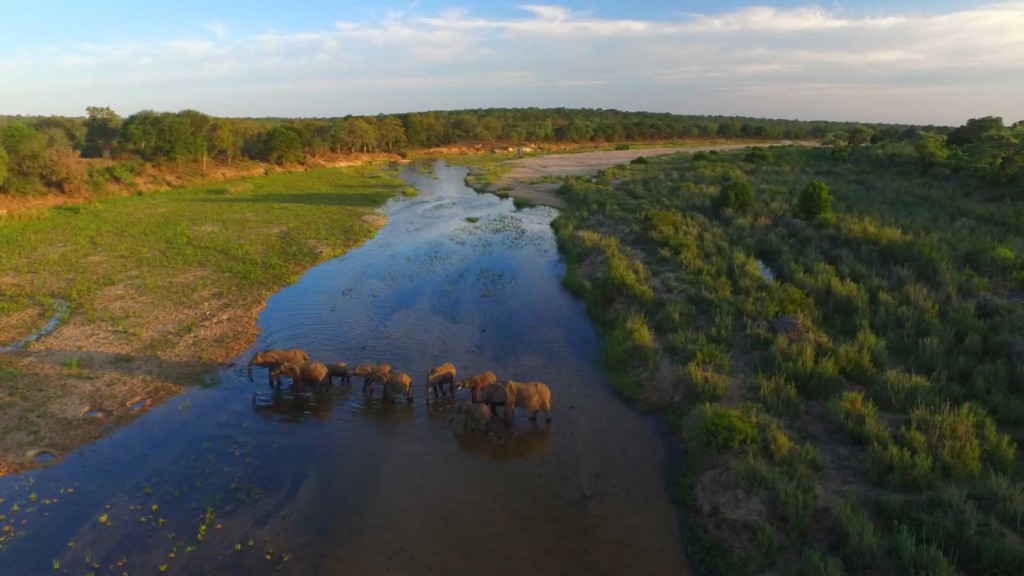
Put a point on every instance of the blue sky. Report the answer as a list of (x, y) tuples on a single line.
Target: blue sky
[(914, 61)]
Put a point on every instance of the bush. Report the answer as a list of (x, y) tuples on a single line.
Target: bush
[(736, 195), (622, 146), (815, 563), (758, 155), (861, 544), (638, 160), (725, 427), (815, 200), (860, 418), (780, 395), (920, 558)]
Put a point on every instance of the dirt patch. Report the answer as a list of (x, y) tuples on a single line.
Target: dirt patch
[(15, 327)]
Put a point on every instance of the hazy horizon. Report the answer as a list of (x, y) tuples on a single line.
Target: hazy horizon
[(897, 62)]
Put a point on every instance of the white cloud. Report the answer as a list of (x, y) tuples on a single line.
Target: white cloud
[(755, 60)]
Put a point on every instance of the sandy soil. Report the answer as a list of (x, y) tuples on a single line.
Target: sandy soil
[(521, 180)]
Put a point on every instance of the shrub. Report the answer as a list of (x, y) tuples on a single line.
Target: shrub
[(622, 146), (860, 418), (901, 390), (920, 558), (725, 427), (710, 386), (758, 155), (638, 160), (780, 395), (814, 563), (900, 467), (736, 195), (951, 435), (815, 200), (861, 544)]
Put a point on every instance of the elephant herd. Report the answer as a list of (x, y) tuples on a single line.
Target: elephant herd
[(486, 392)]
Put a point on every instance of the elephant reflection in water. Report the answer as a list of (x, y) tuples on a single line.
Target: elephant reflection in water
[(505, 444), (294, 406)]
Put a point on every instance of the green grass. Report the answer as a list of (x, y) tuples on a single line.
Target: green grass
[(902, 304), (245, 238)]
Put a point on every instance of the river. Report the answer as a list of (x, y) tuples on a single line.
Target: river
[(233, 479)]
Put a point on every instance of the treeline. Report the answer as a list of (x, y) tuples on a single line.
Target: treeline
[(41, 153), (985, 149)]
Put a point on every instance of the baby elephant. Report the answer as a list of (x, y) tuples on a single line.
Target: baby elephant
[(313, 373), (475, 417), (397, 384), (534, 397), (477, 383), (438, 377)]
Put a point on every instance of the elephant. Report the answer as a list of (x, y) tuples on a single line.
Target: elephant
[(273, 359), (477, 383), (532, 396), (339, 370), (438, 377), (494, 395), (475, 417), (314, 373), (371, 374), (397, 384)]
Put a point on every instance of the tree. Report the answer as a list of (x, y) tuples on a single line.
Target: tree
[(282, 144), (930, 149), (26, 155), (736, 195), (3, 167), (859, 135), (138, 133), (102, 127), (391, 133), (361, 134), (815, 200), (221, 141), (972, 131)]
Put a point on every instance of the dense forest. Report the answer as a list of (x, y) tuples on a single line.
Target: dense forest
[(43, 154)]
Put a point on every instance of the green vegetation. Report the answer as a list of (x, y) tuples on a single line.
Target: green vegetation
[(244, 240), (42, 154), (861, 405)]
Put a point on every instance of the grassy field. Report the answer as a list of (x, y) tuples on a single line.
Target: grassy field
[(161, 287), (846, 382)]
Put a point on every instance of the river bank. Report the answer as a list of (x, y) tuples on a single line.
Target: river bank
[(236, 478), (162, 288)]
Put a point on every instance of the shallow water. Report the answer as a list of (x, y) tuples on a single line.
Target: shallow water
[(237, 479), (61, 310)]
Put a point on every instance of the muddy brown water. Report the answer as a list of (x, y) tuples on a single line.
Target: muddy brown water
[(236, 479)]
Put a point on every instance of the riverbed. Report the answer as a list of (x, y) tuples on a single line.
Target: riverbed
[(234, 478)]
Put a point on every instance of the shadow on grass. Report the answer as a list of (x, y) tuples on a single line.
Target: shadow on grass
[(371, 198)]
